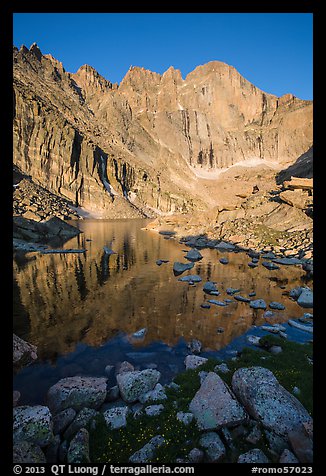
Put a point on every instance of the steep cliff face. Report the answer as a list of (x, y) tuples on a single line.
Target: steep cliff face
[(136, 149)]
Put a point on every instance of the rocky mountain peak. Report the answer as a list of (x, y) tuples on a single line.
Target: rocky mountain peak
[(92, 142), (172, 74), (35, 50), (90, 80), (140, 79)]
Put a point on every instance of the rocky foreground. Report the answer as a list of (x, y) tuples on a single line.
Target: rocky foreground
[(214, 412)]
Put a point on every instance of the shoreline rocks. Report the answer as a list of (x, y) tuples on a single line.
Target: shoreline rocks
[(24, 353), (267, 401), (77, 393)]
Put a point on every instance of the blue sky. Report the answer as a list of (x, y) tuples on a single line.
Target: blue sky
[(272, 50)]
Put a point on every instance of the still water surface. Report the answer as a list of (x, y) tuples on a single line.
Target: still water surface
[(81, 309)]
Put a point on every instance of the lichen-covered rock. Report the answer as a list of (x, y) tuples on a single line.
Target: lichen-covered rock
[(134, 384), (214, 405), (27, 452), (195, 346), (23, 352), (158, 393), (258, 304), (33, 424), (267, 401), (116, 417), (185, 418), (147, 452), (194, 361), (77, 393), (253, 456), (78, 451), (213, 446)]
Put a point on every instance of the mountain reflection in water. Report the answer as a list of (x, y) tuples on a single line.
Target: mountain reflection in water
[(62, 300)]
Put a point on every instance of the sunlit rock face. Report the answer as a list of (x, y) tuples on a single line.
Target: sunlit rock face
[(144, 147)]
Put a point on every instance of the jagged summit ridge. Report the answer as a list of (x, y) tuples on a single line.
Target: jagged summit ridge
[(151, 137)]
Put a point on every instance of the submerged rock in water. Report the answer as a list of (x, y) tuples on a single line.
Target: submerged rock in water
[(194, 278), (302, 327), (179, 268), (223, 245), (140, 334), (270, 265), (195, 346), (210, 287), (159, 262), (277, 305), (224, 261), (232, 291), (217, 303), (238, 297), (258, 304), (194, 255)]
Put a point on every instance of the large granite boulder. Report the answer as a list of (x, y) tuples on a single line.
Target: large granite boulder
[(33, 424), (77, 393), (267, 401), (23, 353), (116, 417), (214, 405), (133, 385), (213, 446)]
